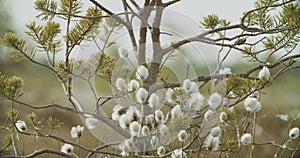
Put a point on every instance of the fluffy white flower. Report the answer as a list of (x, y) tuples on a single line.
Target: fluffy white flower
[(149, 119), (118, 110), (252, 104), (124, 153), (164, 130), (225, 70), (133, 85), (216, 131), (264, 72), (294, 133), (67, 148), (91, 122), (125, 121), (208, 115), (215, 100), (141, 95), (76, 132), (126, 145), (145, 130), (176, 112), (153, 100), (134, 113), (134, 128), (169, 95), (194, 88), (223, 117), (123, 53), (182, 135), (212, 143), (189, 87), (21, 125), (178, 153), (283, 117), (161, 150), (186, 85), (141, 73), (159, 116), (196, 102), (246, 139), (120, 84), (154, 141)]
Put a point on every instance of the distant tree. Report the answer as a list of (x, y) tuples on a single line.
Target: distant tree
[(154, 116)]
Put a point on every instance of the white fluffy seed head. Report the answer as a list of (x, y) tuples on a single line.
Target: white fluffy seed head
[(208, 115), (67, 148), (225, 70), (176, 112), (91, 122), (182, 135), (169, 95), (159, 116), (186, 85), (161, 150), (264, 73), (196, 102), (125, 121), (223, 117), (252, 104), (154, 141), (120, 84), (215, 100), (76, 131), (117, 112), (164, 130), (21, 125), (178, 153), (211, 143), (133, 85), (141, 95), (246, 139), (216, 131), (294, 133), (153, 100), (142, 73), (145, 130), (134, 128), (149, 119), (123, 53)]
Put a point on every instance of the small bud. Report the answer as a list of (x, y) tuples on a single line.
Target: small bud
[(216, 131), (120, 84), (246, 139), (133, 85), (134, 128), (76, 132), (264, 72), (294, 133), (21, 125), (153, 100), (67, 148), (161, 151), (223, 117), (141, 73), (182, 135), (252, 104), (141, 95), (91, 122), (208, 115), (215, 100)]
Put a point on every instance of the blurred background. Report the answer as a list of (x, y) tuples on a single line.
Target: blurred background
[(41, 86)]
